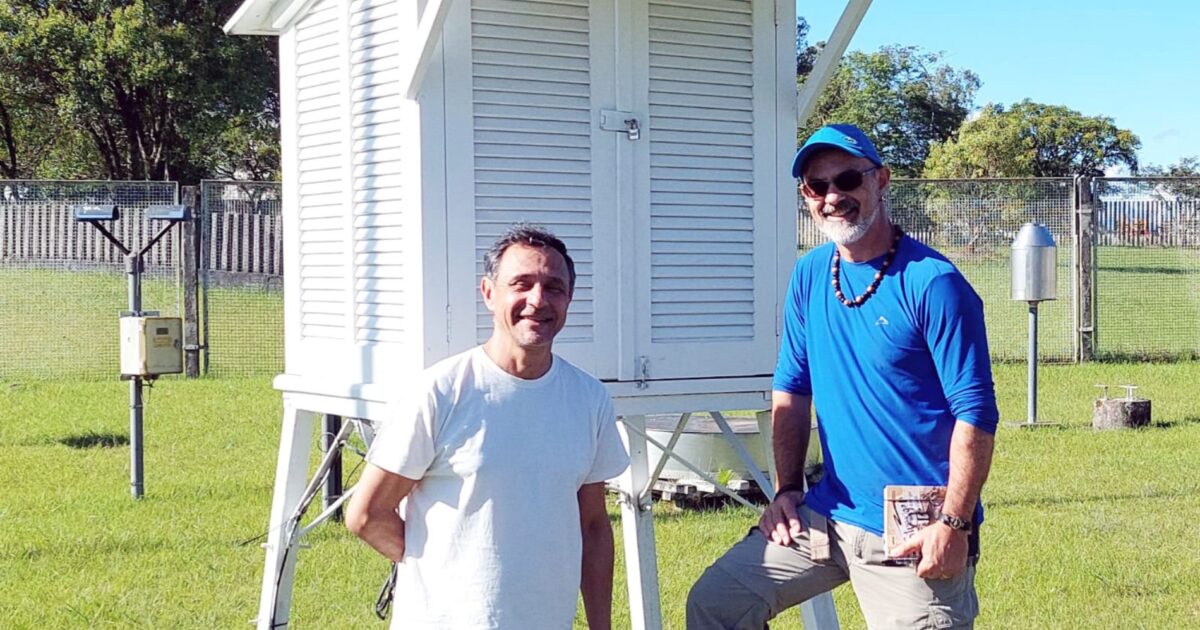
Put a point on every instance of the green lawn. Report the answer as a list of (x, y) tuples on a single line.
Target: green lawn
[(1085, 530)]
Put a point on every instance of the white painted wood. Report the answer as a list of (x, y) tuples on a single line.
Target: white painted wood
[(606, 186), (532, 123), (786, 223), (289, 141), (827, 61), (256, 17), (321, 178), (709, 232), (348, 189), (384, 212), (295, 444), (420, 52), (629, 157), (637, 527), (456, 139), (429, 156), (291, 11)]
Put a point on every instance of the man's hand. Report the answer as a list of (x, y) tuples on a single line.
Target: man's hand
[(943, 551), (780, 522)]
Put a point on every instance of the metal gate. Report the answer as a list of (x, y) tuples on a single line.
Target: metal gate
[(241, 278)]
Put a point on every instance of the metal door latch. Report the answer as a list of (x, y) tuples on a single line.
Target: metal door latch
[(626, 122), (632, 130)]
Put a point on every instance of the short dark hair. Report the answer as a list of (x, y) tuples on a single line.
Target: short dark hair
[(529, 236)]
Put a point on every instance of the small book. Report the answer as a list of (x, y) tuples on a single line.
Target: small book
[(906, 510)]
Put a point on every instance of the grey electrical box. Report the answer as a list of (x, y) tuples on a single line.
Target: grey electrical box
[(1034, 260), (151, 346)]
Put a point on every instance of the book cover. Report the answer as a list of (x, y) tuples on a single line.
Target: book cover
[(906, 510)]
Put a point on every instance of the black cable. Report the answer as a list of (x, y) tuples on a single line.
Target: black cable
[(383, 603)]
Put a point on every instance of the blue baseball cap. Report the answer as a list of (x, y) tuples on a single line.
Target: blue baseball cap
[(846, 137)]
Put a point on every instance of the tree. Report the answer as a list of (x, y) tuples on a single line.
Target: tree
[(1033, 140), (1185, 167), (151, 85), (1183, 187), (806, 55), (904, 98)]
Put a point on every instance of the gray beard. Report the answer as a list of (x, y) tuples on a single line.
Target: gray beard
[(848, 234)]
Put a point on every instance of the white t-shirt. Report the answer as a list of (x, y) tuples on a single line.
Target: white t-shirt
[(492, 536)]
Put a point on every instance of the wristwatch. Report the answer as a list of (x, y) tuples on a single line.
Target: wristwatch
[(954, 522)]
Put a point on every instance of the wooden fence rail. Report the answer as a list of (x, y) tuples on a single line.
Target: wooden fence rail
[(1149, 223), (244, 243), (46, 232)]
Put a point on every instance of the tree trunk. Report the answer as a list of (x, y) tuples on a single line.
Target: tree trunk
[(8, 166), (1120, 413)]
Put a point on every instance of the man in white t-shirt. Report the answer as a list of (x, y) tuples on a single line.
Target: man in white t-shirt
[(500, 455)]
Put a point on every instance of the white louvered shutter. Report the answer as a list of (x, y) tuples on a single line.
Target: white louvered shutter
[(385, 204), (532, 123), (322, 156), (710, 189)]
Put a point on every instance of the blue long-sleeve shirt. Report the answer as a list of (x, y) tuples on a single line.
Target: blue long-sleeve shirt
[(888, 379)]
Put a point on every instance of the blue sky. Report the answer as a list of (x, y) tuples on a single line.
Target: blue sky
[(1136, 62)]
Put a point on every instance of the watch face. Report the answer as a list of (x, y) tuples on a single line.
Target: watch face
[(955, 522)]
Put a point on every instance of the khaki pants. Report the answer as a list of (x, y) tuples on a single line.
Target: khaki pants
[(756, 580)]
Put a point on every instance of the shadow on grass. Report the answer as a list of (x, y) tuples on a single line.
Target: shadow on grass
[(1171, 424), (95, 440)]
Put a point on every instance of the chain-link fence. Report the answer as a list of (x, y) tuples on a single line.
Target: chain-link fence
[(63, 284), (973, 223), (241, 269), (1147, 258)]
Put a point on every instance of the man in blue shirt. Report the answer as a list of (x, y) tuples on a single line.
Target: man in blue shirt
[(885, 339)]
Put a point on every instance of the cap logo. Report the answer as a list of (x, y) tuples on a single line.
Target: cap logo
[(850, 140)]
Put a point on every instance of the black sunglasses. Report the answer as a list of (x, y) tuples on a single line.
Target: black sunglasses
[(846, 181)]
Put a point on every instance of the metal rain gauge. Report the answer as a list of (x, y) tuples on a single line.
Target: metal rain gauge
[(1034, 279)]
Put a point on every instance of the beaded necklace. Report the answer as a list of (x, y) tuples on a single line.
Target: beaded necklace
[(897, 234)]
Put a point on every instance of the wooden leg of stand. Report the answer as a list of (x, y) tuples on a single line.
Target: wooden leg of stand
[(291, 477)]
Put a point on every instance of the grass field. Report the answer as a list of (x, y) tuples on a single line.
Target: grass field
[(1085, 530)]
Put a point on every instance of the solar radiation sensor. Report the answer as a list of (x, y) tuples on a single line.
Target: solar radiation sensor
[(173, 212), (107, 212)]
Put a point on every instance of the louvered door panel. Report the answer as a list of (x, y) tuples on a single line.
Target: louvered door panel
[(385, 205), (710, 195), (321, 143), (532, 130)]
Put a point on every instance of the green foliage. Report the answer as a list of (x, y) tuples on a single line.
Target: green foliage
[(1031, 139), (806, 55), (1185, 167), (150, 85), (724, 476), (904, 98), (1187, 187)]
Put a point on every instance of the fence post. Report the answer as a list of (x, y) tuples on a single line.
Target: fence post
[(1085, 272), (190, 280)]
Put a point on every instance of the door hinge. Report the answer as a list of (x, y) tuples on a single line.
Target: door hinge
[(643, 372)]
